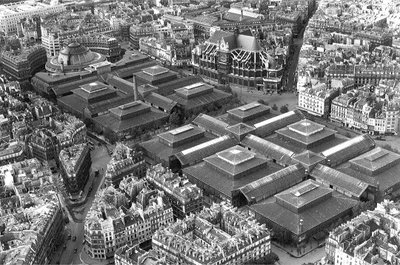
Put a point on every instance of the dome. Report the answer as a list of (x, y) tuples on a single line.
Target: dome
[(76, 54), (72, 58)]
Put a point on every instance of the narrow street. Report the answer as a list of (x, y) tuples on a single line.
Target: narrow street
[(100, 158)]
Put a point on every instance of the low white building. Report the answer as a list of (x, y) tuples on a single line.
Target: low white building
[(11, 14)]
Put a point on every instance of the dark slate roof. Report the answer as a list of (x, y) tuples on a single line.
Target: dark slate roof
[(160, 101), (91, 91), (155, 73), (325, 211), (163, 152), (246, 112), (211, 124), (120, 83), (306, 134), (385, 180), (78, 104), (65, 88), (240, 129), (201, 100), (308, 158), (128, 71), (349, 149), (212, 177), (375, 160), (268, 149), (269, 126), (272, 184), (232, 121), (196, 153), (181, 133), (235, 161), (342, 182), (117, 125), (338, 139), (168, 88)]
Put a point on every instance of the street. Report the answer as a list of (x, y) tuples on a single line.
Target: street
[(75, 227), (286, 259)]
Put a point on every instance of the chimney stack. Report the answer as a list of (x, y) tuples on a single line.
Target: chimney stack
[(301, 225), (135, 90), (241, 15)]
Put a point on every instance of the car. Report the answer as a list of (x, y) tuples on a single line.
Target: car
[(74, 238), (65, 246), (69, 236), (75, 250)]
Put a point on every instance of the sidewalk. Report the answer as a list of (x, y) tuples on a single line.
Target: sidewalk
[(86, 260), (292, 251), (286, 259)]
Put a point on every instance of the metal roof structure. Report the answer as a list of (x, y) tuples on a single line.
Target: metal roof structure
[(375, 161), (272, 184), (342, 182), (268, 149), (196, 153), (349, 149), (211, 124), (269, 126)]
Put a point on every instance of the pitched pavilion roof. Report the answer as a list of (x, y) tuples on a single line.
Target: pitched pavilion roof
[(348, 185), (268, 149), (273, 183)]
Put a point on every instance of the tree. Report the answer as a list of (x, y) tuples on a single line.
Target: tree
[(275, 107), (284, 109), (174, 118)]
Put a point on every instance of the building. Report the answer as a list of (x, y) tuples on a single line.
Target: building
[(377, 167), (11, 14), (94, 99), (136, 32), (74, 57), (43, 145), (185, 197), (130, 120), (12, 152), (107, 46), (134, 255), (124, 162), (300, 212), (55, 83), (115, 221), (317, 99), (163, 148), (358, 110), (177, 52), (194, 98), (222, 174), (23, 64), (62, 131), (75, 166), (216, 235), (27, 190), (370, 238), (238, 59)]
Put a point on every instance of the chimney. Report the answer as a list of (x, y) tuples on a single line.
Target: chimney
[(301, 226), (135, 90), (241, 14)]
